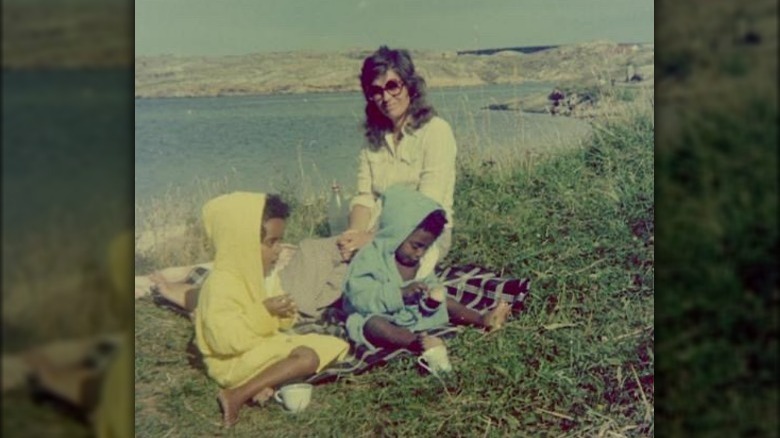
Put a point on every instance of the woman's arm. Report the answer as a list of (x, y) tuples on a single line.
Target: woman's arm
[(362, 204), (437, 178), (359, 218), (358, 234)]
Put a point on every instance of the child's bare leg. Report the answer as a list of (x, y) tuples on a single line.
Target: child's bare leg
[(79, 386), (301, 362), (384, 334), (180, 293), (462, 315), (179, 274)]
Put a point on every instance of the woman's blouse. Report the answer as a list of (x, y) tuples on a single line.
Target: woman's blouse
[(423, 160)]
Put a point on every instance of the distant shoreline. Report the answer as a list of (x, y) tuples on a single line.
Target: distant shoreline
[(319, 92), (324, 72), (529, 49)]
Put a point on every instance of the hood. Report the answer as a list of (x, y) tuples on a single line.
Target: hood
[(233, 224), (403, 209)]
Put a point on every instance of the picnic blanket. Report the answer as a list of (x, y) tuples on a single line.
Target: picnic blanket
[(473, 286)]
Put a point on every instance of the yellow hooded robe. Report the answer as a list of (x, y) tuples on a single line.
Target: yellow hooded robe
[(234, 331)]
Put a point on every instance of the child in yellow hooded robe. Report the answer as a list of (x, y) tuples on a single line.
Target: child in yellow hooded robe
[(238, 319)]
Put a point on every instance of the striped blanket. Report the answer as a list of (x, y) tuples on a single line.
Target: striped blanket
[(472, 286)]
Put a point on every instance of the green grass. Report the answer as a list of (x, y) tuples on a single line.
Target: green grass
[(717, 185), (23, 417), (717, 181), (578, 362)]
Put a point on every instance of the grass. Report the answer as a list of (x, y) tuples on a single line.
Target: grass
[(56, 287), (579, 362), (169, 231), (717, 186), (717, 180), (58, 271), (18, 411)]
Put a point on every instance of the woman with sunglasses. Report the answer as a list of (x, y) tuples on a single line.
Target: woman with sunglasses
[(407, 143)]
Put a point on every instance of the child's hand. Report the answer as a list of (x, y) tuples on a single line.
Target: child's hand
[(281, 306), (431, 300), (413, 291)]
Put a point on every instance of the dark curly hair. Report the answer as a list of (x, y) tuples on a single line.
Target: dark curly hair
[(434, 222), (275, 208), (378, 64)]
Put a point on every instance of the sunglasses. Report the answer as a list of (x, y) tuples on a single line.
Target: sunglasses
[(392, 86)]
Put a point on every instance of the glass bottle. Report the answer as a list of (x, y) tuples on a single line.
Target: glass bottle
[(338, 215)]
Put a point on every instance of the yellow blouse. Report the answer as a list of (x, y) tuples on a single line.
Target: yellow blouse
[(423, 160)]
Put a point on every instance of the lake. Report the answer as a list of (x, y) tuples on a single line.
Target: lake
[(67, 153), (266, 143)]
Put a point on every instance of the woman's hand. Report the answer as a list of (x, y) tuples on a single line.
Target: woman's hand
[(281, 306), (352, 240), (412, 292)]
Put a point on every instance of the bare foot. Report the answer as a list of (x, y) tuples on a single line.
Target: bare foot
[(229, 412), (263, 396), (158, 280), (496, 318)]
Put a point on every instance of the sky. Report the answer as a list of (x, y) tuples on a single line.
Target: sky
[(237, 27)]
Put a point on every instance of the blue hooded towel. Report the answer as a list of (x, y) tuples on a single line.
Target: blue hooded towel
[(373, 283)]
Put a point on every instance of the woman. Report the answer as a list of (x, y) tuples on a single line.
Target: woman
[(407, 144)]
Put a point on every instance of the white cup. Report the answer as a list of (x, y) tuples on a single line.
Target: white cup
[(435, 360), (295, 398)]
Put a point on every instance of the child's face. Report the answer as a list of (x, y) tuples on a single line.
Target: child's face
[(271, 245), (413, 248)]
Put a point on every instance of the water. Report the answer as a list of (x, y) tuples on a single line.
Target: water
[(269, 143), (67, 152)]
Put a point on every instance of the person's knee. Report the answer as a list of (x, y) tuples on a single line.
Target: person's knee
[(382, 333), (307, 358), (375, 325)]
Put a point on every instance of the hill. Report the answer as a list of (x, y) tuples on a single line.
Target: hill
[(75, 34), (302, 72)]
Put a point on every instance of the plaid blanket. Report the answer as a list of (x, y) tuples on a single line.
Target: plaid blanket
[(473, 286)]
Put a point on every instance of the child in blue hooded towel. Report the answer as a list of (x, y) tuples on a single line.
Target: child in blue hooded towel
[(391, 293)]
